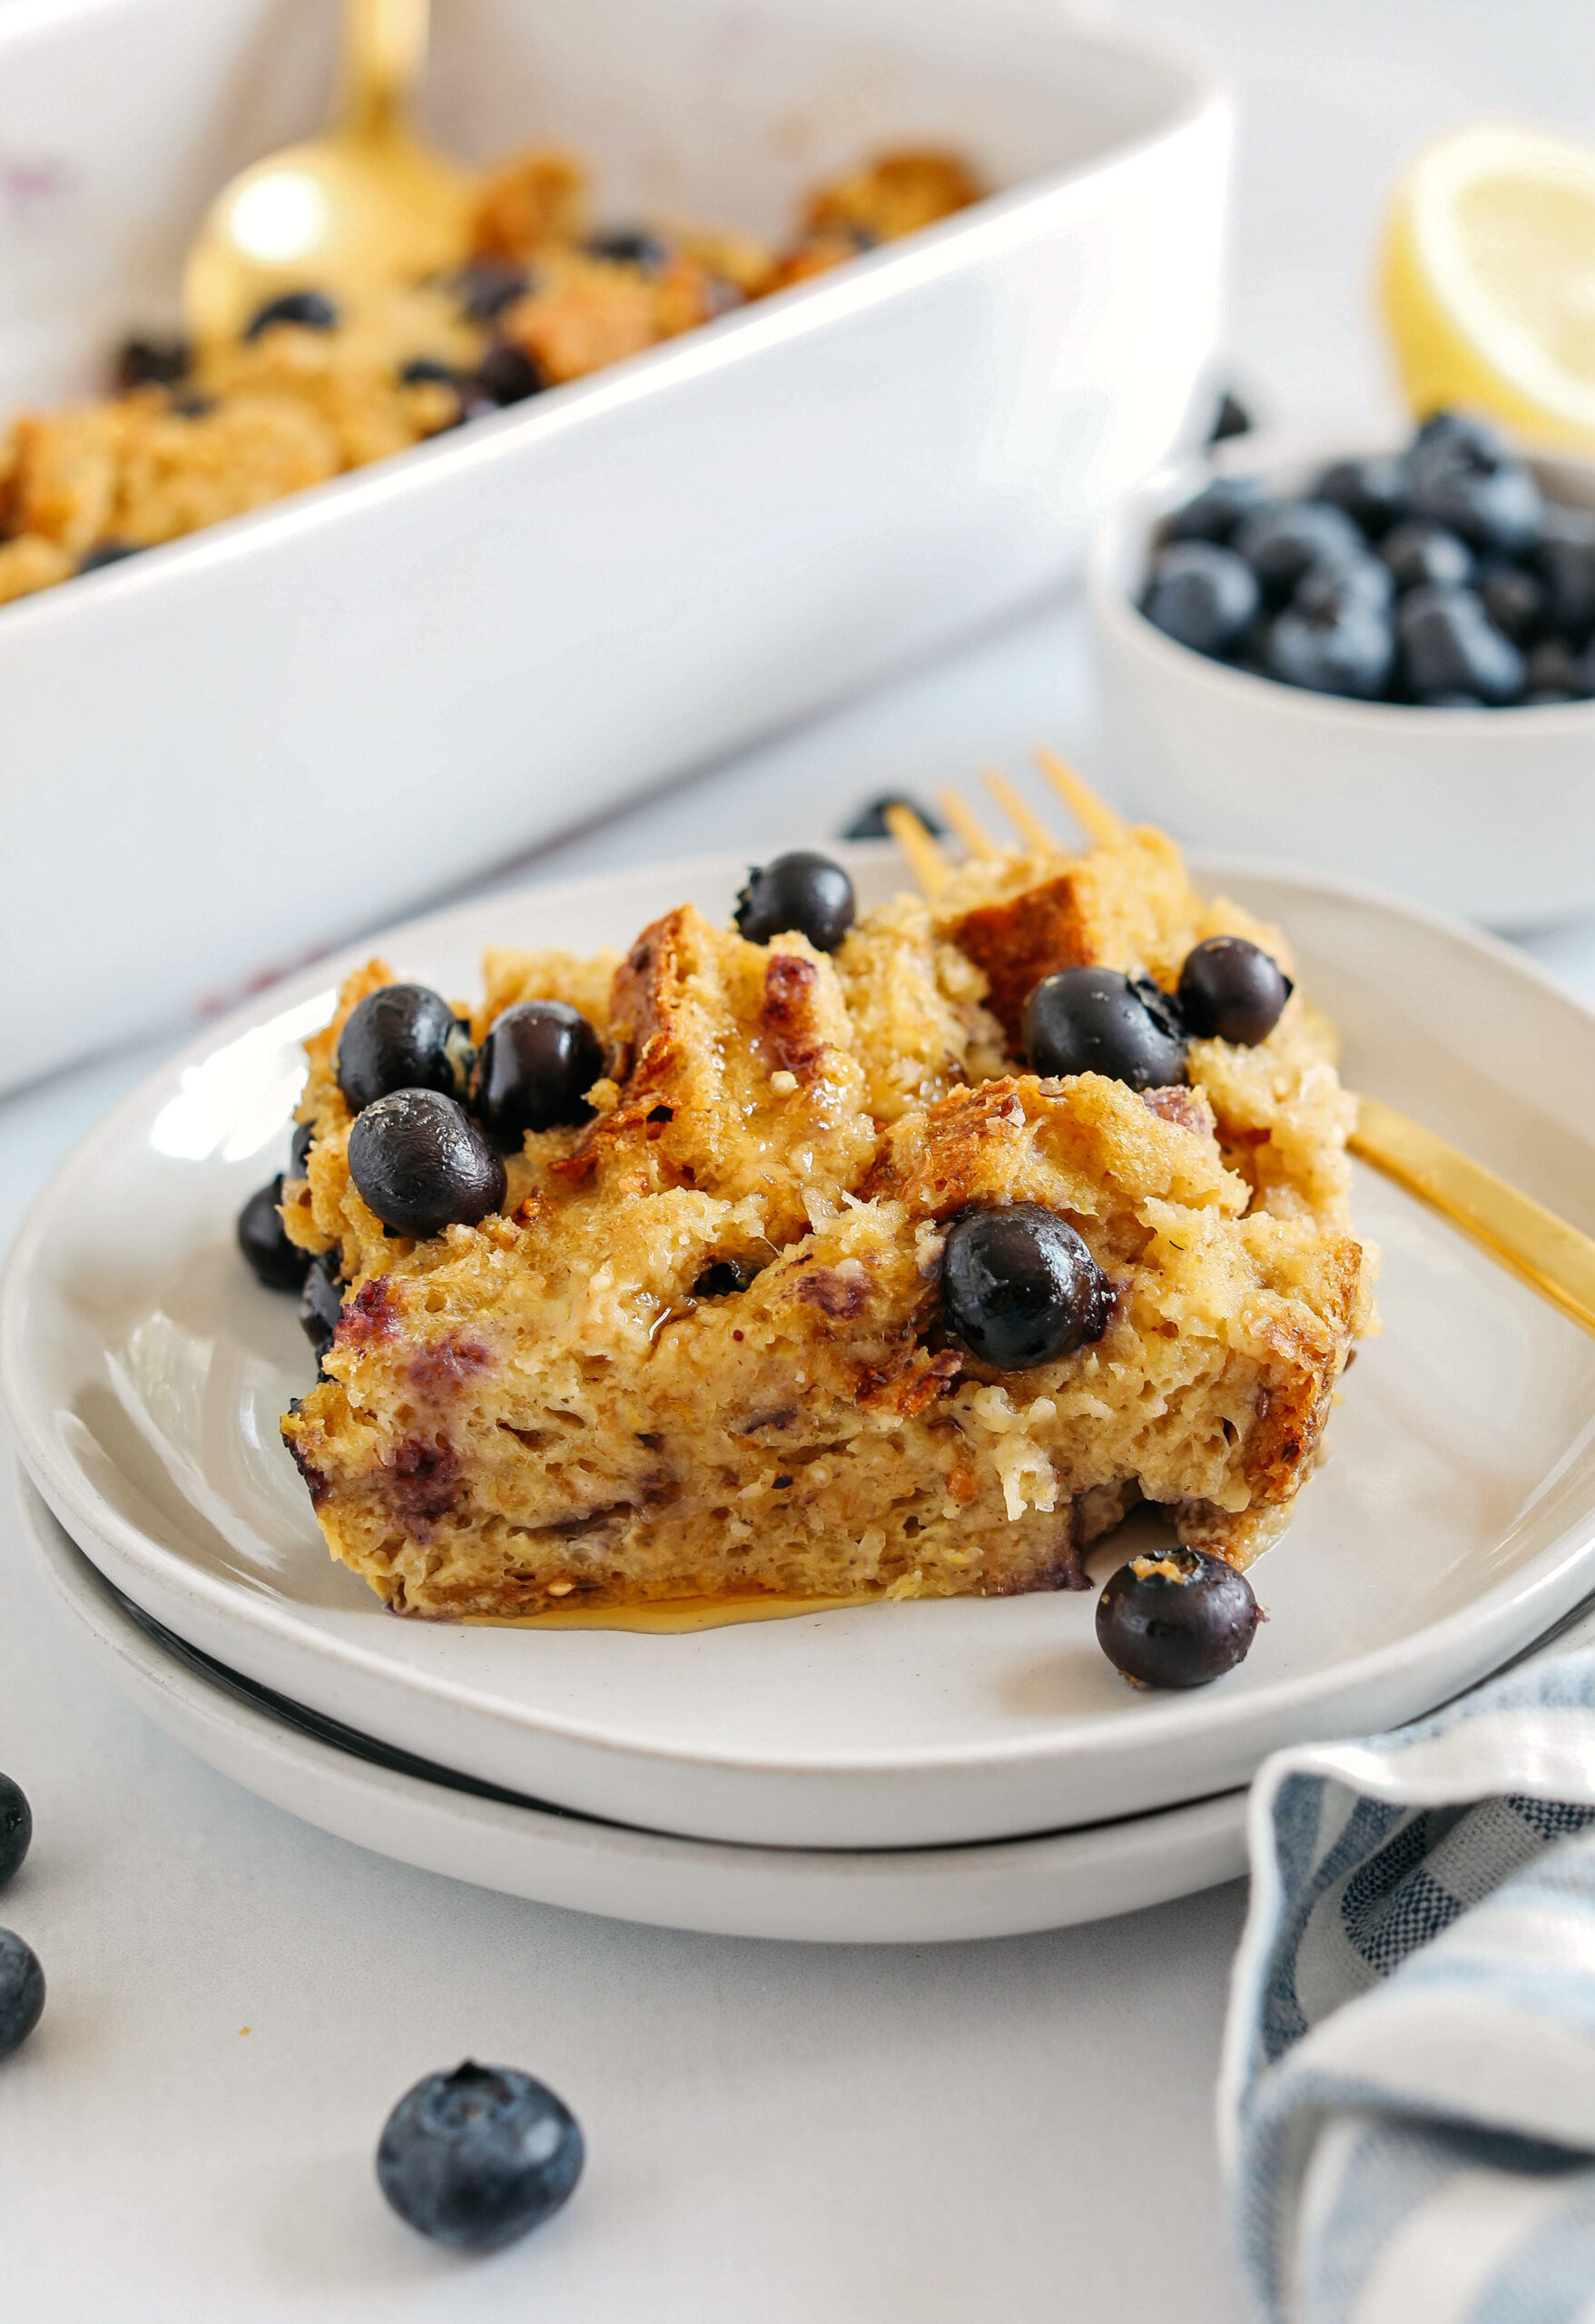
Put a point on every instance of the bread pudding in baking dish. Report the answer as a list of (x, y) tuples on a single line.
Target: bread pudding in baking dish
[(825, 1256)]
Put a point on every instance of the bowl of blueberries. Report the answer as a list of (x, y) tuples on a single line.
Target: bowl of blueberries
[(1379, 661)]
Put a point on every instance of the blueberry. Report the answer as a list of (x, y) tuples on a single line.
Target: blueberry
[(631, 248), (262, 1238), (1566, 559), (105, 553), (1514, 600), (1552, 663), (1453, 702), (309, 308), (1230, 419), (507, 374), (1328, 591), (402, 1037), (1202, 596), (21, 1992), (1095, 1020), (1180, 1619), (1461, 474), (802, 891), (535, 1069), (1232, 990), (1543, 697), (1449, 645), (298, 1151), (1215, 511), (1282, 541), (1020, 1288), (150, 362), (1372, 493), (426, 371), (870, 823), (321, 1304), (721, 1278), (1420, 551), (486, 287), (1345, 646), (479, 2156), (16, 1828), (420, 1163)]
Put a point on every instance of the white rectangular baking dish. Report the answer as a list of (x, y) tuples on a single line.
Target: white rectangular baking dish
[(230, 752)]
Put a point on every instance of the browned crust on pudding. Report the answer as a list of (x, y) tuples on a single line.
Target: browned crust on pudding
[(545, 1411)]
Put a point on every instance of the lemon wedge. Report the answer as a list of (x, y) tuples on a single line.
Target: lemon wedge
[(1489, 280)]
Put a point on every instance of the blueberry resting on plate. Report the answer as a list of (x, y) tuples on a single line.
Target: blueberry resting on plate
[(479, 2156), (22, 1991), (262, 1238), (1216, 512), (1232, 990), (320, 1303), (506, 375), (1372, 493), (801, 892), (1421, 551), (870, 823), (534, 1069), (1449, 645), (1097, 1020), (1284, 541), (1461, 474), (311, 309), (1178, 1618), (420, 1163), (630, 247), (1020, 1288), (16, 1828), (402, 1037), (1202, 596)]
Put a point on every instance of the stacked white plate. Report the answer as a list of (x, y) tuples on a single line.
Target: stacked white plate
[(959, 1768)]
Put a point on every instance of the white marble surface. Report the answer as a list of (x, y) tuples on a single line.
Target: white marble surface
[(839, 2136)]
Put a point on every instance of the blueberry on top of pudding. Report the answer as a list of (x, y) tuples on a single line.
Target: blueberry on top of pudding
[(1019, 1287), (802, 893), (402, 1037), (1099, 1020), (535, 1069)]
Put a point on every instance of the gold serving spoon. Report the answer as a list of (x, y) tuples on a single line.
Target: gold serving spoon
[(1519, 1234), (366, 204)]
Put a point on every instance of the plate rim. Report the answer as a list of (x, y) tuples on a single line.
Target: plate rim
[(1199, 1714)]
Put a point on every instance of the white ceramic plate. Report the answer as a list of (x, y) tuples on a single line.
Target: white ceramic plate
[(885, 1897), (1454, 1522)]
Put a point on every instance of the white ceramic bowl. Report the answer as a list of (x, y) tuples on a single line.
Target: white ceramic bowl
[(229, 753), (1487, 812)]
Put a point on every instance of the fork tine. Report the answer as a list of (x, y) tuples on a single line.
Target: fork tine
[(1029, 826), (967, 824), (1095, 817), (926, 860)]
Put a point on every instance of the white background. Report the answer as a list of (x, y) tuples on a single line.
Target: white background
[(842, 2136)]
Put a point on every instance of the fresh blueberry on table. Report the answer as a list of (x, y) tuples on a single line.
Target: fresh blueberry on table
[(506, 375), (1099, 1021), (420, 1163), (1421, 551), (1461, 474), (321, 1304), (870, 823), (402, 1037), (262, 1238), (1282, 543), (1020, 1288), (1449, 645), (1203, 597), (1177, 1617), (16, 1828), (1216, 512), (1372, 492), (479, 2157), (311, 309), (630, 247), (1232, 990), (1344, 646), (22, 1991), (801, 892), (535, 1069)]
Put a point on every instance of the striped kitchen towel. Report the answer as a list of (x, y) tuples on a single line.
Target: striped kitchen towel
[(1408, 2097)]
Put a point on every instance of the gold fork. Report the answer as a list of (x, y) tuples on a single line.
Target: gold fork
[(1519, 1234)]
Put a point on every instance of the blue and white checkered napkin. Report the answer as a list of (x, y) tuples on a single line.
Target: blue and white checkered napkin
[(1408, 2101)]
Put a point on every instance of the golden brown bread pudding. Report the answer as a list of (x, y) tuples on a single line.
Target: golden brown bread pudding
[(705, 1342)]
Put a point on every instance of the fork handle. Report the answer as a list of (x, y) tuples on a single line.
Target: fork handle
[(384, 57), (1543, 1250)]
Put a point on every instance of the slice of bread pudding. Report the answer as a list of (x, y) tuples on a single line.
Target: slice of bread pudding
[(703, 1348)]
